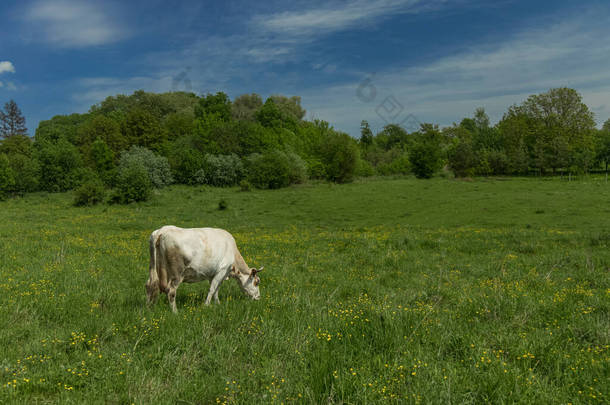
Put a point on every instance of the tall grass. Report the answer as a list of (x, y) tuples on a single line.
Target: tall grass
[(381, 291)]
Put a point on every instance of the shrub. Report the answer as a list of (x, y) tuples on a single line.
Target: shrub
[(222, 170), (7, 179), (462, 159), (91, 192), (340, 155), (187, 164), (364, 169), (223, 204), (245, 185), (157, 167), (133, 184), (316, 169), (425, 158), (276, 169), (400, 165), (59, 163), (28, 168)]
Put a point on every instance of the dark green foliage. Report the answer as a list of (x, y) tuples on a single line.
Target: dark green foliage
[(186, 163), (425, 158), (7, 177), (27, 170), (245, 185), (462, 159), (223, 205), (214, 105), (90, 192), (16, 144), (399, 165), (104, 128), (102, 159), (59, 165), (133, 183), (340, 155), (276, 169), (157, 167), (142, 128)]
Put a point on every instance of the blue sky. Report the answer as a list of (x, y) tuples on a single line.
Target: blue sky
[(381, 60)]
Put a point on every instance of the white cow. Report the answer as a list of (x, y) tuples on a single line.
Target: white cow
[(193, 255)]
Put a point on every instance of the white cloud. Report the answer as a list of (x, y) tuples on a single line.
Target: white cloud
[(569, 53), (73, 24), (336, 16), (6, 66)]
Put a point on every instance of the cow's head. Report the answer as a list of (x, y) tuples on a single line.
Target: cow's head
[(249, 283)]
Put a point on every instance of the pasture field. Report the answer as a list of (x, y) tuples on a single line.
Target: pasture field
[(380, 291)]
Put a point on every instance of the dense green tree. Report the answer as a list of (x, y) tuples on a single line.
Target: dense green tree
[(60, 126), (245, 106), (27, 172), (426, 155), (16, 144), (603, 145), (339, 153), (217, 105), (104, 128), (366, 135), (7, 177), (12, 121), (102, 158), (289, 106), (562, 125), (141, 128), (59, 165)]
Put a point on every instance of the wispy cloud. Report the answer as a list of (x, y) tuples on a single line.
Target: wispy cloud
[(73, 24), (337, 15), (570, 52), (6, 66)]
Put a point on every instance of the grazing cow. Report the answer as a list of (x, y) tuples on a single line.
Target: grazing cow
[(193, 255)]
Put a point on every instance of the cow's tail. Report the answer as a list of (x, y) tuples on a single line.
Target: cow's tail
[(157, 279), (160, 265)]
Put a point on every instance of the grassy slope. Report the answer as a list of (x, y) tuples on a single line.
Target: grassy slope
[(424, 291)]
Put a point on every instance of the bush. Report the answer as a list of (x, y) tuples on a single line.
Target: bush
[(157, 167), (364, 168), (223, 204), (400, 165), (187, 164), (340, 155), (316, 169), (462, 159), (276, 169), (59, 163), (245, 185), (222, 170), (7, 179), (28, 168), (133, 184), (425, 158), (91, 192)]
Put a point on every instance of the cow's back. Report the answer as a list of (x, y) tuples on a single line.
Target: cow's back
[(196, 253)]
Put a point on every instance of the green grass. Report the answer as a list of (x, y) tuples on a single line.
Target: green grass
[(379, 291)]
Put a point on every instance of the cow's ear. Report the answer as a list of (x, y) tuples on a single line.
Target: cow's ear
[(261, 269), (234, 271)]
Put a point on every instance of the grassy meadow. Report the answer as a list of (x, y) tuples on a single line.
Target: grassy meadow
[(380, 291)]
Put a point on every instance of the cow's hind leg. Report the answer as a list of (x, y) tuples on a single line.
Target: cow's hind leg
[(171, 295)]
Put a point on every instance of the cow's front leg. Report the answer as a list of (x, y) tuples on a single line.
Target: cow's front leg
[(214, 286), (216, 295)]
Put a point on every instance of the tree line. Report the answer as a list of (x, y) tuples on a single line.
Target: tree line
[(132, 144)]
